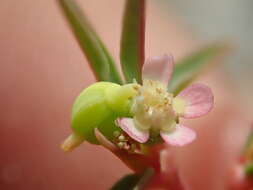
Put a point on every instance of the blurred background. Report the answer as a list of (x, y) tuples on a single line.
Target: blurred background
[(221, 19), (42, 70)]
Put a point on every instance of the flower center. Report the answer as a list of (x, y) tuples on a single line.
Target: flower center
[(152, 107)]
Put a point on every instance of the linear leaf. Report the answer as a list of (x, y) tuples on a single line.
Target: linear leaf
[(99, 59), (248, 168), (134, 181), (127, 182), (133, 40), (189, 67), (249, 140), (145, 178)]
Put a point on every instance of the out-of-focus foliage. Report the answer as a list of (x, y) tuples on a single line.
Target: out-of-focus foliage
[(191, 66)]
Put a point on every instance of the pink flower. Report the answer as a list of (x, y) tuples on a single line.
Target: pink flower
[(156, 111)]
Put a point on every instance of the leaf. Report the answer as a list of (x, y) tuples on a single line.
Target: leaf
[(248, 147), (189, 67), (133, 40), (134, 181), (249, 141), (126, 183), (248, 168), (143, 181), (99, 59)]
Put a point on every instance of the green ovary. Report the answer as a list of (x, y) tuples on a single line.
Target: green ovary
[(98, 106), (119, 98)]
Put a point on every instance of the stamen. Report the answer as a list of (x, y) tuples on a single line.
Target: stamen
[(150, 82), (122, 138), (146, 108), (136, 87), (150, 111), (116, 134), (121, 144), (152, 107), (158, 90)]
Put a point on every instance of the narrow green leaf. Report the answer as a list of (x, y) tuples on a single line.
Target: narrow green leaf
[(99, 59), (146, 176), (247, 153), (127, 182), (248, 168), (134, 181), (249, 141), (133, 40), (189, 67)]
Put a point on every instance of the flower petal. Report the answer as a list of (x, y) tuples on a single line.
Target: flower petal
[(158, 68), (194, 101), (179, 137), (127, 125)]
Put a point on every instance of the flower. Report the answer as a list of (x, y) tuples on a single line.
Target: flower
[(156, 111)]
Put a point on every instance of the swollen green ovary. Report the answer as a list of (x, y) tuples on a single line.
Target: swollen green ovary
[(90, 110), (90, 114), (119, 98), (97, 107)]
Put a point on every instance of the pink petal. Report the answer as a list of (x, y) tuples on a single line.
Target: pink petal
[(199, 100), (179, 137), (158, 68), (127, 125)]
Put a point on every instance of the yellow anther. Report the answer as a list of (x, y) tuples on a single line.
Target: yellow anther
[(121, 137), (121, 144), (158, 90), (116, 133)]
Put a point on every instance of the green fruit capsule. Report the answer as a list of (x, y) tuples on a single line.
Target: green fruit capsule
[(97, 107)]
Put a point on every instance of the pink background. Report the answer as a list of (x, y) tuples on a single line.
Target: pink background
[(41, 72)]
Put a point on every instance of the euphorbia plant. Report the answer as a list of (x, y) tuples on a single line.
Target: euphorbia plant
[(139, 117)]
